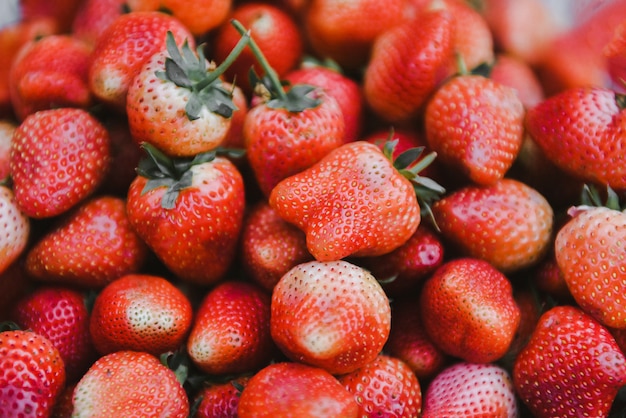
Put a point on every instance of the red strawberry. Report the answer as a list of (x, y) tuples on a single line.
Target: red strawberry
[(466, 389), (352, 202), (62, 12), (32, 374), (581, 131), (17, 229), (90, 247), (122, 49), (220, 400), (60, 314), (170, 199), (14, 285), (140, 312), (516, 73), (178, 103), (231, 332), (68, 164), (200, 16), (386, 386), (468, 310), (571, 366), (7, 128), (295, 390), (408, 62), (270, 247), (133, 382), (332, 315), (507, 224), (615, 53), (63, 407), (93, 17), (48, 73), (476, 127)]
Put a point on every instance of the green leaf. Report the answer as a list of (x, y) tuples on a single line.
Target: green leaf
[(194, 107), (408, 157), (176, 74)]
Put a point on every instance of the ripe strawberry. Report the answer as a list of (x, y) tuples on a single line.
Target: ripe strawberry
[(140, 312), (468, 310), (122, 49), (274, 31), (353, 202), (409, 342), (7, 128), (220, 400), (332, 315), (581, 131), (407, 64), (386, 386), (465, 389), (14, 285), (615, 53), (200, 16), (68, 164), (93, 17), (231, 331), (133, 383), (32, 374), (507, 224), (345, 90), (90, 247), (482, 148), (270, 247), (571, 366), (345, 31), (63, 407), (234, 137), (512, 71), (16, 226), (295, 390), (62, 12), (60, 314), (48, 73), (171, 198)]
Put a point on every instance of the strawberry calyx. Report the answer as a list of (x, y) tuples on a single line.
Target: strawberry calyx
[(592, 197), (189, 70), (9, 326), (296, 99), (173, 173), (620, 99)]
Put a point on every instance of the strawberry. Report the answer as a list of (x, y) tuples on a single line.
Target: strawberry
[(220, 400), (468, 310), (90, 247), (332, 315), (571, 366), (133, 383), (467, 389), (409, 342), (68, 164), (274, 31), (345, 31), (234, 137), (270, 247), (14, 285), (93, 17), (512, 71), (295, 390), (588, 254), (177, 103), (17, 229), (615, 53), (48, 73), (508, 224), (355, 201), (231, 331), (580, 130), (63, 407), (140, 312), (200, 16), (122, 49), (7, 128), (407, 64), (386, 386), (60, 314), (484, 147), (32, 374), (171, 198)]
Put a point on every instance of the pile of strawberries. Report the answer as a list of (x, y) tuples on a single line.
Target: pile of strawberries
[(312, 208)]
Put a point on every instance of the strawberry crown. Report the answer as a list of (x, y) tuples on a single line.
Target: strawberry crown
[(188, 69)]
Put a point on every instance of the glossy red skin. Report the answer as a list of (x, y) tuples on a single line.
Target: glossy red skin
[(385, 387), (553, 384), (213, 207), (32, 374), (90, 248), (581, 131), (352, 202), (298, 390), (468, 310), (93, 17), (60, 314), (80, 145), (140, 312), (221, 400), (231, 332)]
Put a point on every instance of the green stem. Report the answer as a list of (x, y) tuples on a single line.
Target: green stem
[(232, 56), (278, 87)]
